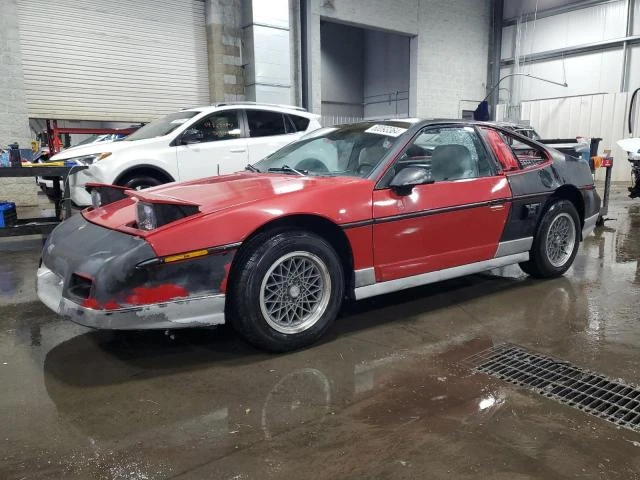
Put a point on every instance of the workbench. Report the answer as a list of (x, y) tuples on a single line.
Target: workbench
[(41, 225)]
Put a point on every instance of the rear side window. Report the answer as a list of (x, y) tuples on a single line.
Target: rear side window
[(528, 154), (501, 150), (300, 123), (263, 123)]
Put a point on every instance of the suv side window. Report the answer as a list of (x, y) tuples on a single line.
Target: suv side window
[(447, 153), (218, 126), (264, 123), (300, 123)]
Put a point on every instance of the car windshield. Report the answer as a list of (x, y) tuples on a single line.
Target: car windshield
[(352, 150), (162, 126)]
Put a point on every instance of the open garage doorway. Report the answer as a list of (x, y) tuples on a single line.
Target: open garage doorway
[(365, 73)]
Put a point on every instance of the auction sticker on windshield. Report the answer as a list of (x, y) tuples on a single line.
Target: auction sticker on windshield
[(388, 130)]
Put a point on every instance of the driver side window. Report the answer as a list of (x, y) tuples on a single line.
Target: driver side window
[(219, 126), (446, 154)]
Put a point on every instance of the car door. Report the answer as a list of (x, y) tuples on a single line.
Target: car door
[(268, 131), (215, 147), (455, 220)]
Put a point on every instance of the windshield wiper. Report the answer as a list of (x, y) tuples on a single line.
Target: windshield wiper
[(287, 168), (251, 168)]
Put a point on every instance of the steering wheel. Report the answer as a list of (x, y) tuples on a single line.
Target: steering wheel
[(313, 165), (363, 169)]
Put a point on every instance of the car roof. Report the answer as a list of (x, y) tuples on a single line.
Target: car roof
[(420, 123), (255, 106)]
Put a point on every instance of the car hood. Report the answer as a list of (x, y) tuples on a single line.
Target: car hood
[(218, 193), (215, 195), (80, 147), (101, 147), (232, 206)]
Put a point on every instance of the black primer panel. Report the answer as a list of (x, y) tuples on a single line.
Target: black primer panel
[(530, 193)]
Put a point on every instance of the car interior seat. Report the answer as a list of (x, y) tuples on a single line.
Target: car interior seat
[(451, 162), (415, 152), (369, 157)]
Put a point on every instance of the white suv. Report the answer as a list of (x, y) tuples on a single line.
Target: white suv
[(189, 144)]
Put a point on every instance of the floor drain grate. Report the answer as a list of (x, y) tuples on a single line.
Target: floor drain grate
[(595, 394)]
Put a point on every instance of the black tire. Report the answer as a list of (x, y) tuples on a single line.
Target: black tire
[(253, 268), (142, 181), (540, 264), (49, 192)]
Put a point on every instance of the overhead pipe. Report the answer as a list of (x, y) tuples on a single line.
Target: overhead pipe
[(493, 89)]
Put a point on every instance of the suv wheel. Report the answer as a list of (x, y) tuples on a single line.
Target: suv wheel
[(140, 182)]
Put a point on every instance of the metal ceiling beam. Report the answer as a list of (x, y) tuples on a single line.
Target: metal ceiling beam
[(626, 51), (570, 7), (495, 51), (572, 51)]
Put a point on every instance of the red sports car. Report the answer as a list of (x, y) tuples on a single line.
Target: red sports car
[(352, 211)]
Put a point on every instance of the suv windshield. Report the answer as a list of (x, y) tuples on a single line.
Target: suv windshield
[(162, 126), (351, 150)]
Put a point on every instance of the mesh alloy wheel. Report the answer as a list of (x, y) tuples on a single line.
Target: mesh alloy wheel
[(295, 292), (560, 240)]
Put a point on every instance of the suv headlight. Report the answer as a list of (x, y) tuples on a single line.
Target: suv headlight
[(89, 159)]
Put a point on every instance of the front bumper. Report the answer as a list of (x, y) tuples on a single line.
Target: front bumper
[(78, 193), (45, 183), (92, 275), (188, 312)]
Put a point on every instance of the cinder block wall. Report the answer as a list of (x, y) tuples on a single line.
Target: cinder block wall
[(452, 53), (449, 47), (14, 119), (224, 39)]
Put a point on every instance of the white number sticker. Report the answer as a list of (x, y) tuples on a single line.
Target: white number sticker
[(388, 130)]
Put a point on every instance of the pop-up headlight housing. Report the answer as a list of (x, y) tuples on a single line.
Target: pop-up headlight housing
[(150, 216), (102, 195)]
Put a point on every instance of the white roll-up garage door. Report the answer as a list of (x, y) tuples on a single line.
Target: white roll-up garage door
[(127, 60)]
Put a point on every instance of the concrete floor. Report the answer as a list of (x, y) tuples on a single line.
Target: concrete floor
[(383, 396)]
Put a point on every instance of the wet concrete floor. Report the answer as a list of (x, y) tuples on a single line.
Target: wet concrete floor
[(383, 396)]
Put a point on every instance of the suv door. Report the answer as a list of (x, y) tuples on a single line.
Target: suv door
[(216, 147), (455, 220), (268, 131)]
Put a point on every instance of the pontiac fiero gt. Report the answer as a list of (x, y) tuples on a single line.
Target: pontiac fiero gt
[(344, 212)]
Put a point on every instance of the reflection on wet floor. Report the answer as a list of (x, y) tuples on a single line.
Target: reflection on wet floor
[(384, 395)]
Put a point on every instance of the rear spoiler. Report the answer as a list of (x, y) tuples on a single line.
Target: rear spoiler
[(567, 146)]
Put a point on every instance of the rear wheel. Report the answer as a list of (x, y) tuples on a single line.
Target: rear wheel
[(556, 242), (287, 290)]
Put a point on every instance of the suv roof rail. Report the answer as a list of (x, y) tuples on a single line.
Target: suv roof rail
[(261, 104)]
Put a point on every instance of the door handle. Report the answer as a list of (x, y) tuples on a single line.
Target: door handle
[(497, 204), (238, 150)]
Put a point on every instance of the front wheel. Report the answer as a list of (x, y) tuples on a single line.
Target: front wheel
[(555, 244), (140, 182), (287, 290)]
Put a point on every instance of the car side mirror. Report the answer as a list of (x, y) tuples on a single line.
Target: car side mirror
[(191, 136), (409, 177)]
